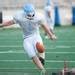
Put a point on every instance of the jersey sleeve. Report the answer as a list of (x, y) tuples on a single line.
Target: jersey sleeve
[(42, 21), (18, 16), (15, 19)]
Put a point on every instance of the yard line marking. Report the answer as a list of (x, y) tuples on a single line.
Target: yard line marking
[(17, 52), (63, 46), (10, 46), (58, 46), (27, 68), (66, 41), (47, 61), (13, 40), (15, 61), (62, 52), (62, 41), (20, 68), (59, 61)]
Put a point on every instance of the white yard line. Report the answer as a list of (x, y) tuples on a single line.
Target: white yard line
[(26, 68), (10, 46), (65, 41), (61, 46), (58, 46), (47, 61), (17, 52), (19, 68), (21, 41), (59, 61), (60, 52), (15, 61)]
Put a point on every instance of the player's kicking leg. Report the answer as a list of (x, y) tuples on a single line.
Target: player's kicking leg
[(30, 50), (41, 52)]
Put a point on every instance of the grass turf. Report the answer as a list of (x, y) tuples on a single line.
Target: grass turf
[(13, 59)]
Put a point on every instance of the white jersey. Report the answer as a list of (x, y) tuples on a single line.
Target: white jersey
[(50, 19), (47, 9), (29, 27)]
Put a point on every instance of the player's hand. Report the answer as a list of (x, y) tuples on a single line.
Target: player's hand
[(53, 37)]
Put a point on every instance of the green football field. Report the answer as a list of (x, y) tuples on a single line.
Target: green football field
[(13, 61)]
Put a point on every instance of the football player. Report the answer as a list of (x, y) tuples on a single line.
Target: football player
[(30, 22), (49, 15)]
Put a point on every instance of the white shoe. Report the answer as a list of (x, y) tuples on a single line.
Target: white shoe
[(43, 72), (46, 37)]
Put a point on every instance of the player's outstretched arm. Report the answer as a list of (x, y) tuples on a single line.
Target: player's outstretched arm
[(7, 23)]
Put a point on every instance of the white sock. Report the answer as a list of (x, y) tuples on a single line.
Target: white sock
[(42, 55)]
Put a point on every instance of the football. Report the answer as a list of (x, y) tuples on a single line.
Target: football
[(40, 47)]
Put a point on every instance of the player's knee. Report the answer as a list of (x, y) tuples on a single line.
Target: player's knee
[(40, 47)]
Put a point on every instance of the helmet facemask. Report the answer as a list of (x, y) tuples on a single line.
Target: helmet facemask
[(30, 15)]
